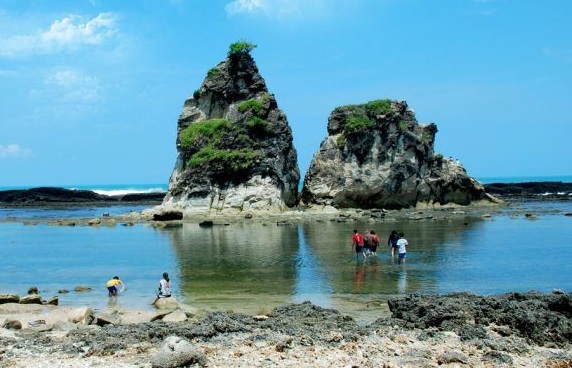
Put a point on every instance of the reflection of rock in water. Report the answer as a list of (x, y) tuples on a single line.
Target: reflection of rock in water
[(248, 263), (311, 281), (239, 259)]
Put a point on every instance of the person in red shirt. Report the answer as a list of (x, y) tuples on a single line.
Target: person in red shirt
[(357, 242), (374, 242)]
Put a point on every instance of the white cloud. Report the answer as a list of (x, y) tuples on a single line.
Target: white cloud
[(68, 33), (278, 9), (244, 6), (14, 151), (74, 87)]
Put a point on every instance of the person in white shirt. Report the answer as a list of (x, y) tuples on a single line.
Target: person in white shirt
[(402, 248), (164, 288)]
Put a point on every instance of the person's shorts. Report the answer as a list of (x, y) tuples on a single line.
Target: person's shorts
[(112, 289), (402, 255), (394, 246), (359, 248), (163, 296), (374, 248)]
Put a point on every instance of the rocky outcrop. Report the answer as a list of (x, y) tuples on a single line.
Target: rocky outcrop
[(234, 144), (536, 190), (51, 196), (377, 155)]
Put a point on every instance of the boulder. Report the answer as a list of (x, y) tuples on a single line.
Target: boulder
[(12, 324), (177, 352), (166, 303), (82, 289), (175, 316), (9, 298), (377, 155), (31, 299), (53, 300), (168, 216), (103, 319), (234, 145), (33, 290), (82, 315)]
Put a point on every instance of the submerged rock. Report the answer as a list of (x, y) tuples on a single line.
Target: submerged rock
[(235, 150), (376, 155)]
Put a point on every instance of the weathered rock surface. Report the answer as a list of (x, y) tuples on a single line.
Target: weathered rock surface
[(376, 155), (540, 318), (235, 150), (517, 329), (177, 352)]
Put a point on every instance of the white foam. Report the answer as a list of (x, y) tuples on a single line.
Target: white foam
[(120, 192)]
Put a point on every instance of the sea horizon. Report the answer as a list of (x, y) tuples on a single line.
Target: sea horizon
[(136, 188)]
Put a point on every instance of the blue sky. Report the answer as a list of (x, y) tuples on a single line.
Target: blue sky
[(91, 90)]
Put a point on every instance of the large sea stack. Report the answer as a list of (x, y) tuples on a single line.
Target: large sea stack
[(234, 144), (377, 155)]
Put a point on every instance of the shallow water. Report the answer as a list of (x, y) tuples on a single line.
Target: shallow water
[(253, 267)]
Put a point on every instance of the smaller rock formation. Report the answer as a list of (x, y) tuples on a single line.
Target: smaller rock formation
[(235, 150), (376, 155)]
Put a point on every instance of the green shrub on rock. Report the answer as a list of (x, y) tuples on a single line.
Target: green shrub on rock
[(357, 124), (379, 107), (254, 105), (235, 160), (258, 125), (208, 130), (240, 47)]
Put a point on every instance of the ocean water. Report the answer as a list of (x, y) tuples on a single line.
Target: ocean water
[(252, 267), (524, 179)]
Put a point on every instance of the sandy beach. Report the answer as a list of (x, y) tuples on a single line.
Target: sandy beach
[(511, 330)]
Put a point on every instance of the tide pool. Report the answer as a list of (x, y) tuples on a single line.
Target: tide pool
[(253, 267)]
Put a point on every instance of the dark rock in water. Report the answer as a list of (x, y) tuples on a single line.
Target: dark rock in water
[(53, 300), (143, 197), (43, 196), (33, 290), (168, 216), (82, 289), (235, 148), (206, 223), (51, 194), (546, 189), (376, 155)]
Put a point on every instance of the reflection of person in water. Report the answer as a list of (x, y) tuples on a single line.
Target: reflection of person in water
[(402, 282), (359, 276)]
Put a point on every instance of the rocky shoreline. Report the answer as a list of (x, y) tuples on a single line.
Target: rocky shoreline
[(55, 197), (510, 330)]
